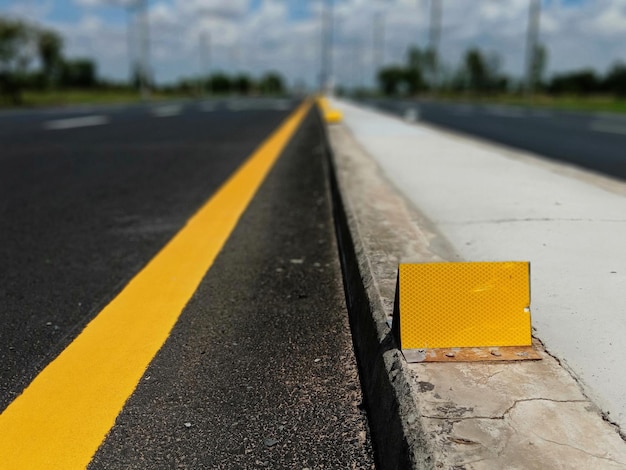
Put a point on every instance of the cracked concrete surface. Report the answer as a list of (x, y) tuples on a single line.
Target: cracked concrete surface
[(521, 415), (519, 442), (514, 415), (494, 203)]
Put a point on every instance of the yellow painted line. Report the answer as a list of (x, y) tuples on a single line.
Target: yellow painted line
[(331, 116), (65, 413)]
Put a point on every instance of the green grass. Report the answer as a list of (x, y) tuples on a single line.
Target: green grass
[(595, 103), (68, 97), (599, 103), (36, 99), (78, 97)]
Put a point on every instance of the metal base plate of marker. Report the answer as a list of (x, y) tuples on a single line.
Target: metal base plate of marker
[(468, 311)]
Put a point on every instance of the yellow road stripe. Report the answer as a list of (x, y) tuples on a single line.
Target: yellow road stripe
[(65, 413)]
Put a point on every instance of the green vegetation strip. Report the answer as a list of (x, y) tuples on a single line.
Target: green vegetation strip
[(74, 97), (570, 103)]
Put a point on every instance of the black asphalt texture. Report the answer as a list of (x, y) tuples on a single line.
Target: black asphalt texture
[(567, 137), (83, 210), (259, 372)]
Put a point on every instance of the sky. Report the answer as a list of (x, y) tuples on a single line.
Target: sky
[(188, 37)]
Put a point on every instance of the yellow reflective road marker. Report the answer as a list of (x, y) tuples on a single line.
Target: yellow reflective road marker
[(464, 311), (331, 116), (66, 412)]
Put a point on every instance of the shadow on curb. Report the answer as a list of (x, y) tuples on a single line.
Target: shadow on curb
[(378, 357)]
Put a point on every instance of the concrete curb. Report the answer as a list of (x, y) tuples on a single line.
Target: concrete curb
[(398, 443), (452, 416)]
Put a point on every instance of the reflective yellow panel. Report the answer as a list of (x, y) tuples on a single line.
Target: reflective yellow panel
[(457, 305)]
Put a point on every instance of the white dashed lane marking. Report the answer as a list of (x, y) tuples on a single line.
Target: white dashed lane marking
[(609, 126), (208, 107), (506, 111), (167, 111), (71, 123)]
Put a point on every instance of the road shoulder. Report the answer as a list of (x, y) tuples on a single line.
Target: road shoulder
[(468, 416)]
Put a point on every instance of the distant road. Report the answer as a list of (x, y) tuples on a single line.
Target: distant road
[(596, 141)]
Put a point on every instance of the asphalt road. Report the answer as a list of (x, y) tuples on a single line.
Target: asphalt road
[(259, 370), (593, 141)]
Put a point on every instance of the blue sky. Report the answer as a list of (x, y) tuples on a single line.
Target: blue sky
[(256, 35)]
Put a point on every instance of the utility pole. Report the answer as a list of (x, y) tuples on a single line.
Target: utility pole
[(354, 66), (363, 63), (234, 59), (138, 31), (326, 65), (323, 28), (205, 62), (331, 45), (378, 54), (532, 42), (129, 41), (435, 38), (145, 50)]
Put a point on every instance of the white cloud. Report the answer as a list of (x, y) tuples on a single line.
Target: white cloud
[(100, 3), (32, 10), (586, 33), (92, 37), (231, 9), (611, 21)]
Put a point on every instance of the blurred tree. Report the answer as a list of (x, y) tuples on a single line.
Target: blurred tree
[(459, 81), (272, 83), (140, 79), (615, 80), (220, 83), (79, 73), (419, 65), (242, 84), (582, 82), (481, 73), (391, 79), (108, 84), (477, 72), (50, 48), (16, 53), (538, 67), (185, 85), (432, 68)]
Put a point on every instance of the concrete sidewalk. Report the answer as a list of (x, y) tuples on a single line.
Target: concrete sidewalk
[(413, 193)]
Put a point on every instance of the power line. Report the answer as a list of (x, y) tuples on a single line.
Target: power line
[(205, 61), (327, 37), (140, 67), (379, 41), (132, 61), (145, 49)]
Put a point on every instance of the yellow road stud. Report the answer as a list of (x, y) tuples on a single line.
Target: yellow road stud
[(331, 116), (464, 305)]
